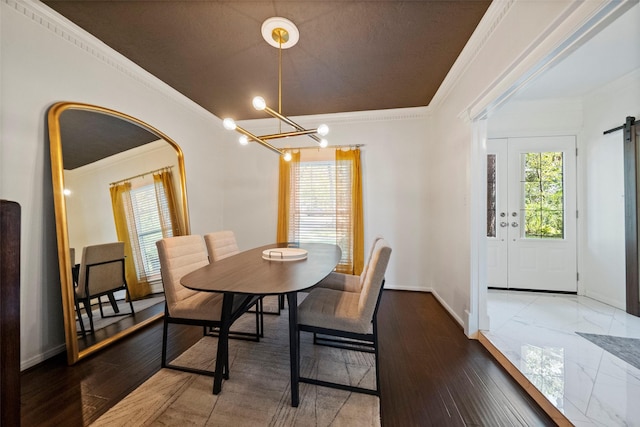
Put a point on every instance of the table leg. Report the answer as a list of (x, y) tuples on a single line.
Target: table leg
[(294, 347), (222, 356)]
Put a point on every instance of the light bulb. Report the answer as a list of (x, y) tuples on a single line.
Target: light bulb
[(243, 140), (287, 156), (66, 192), (229, 124), (323, 130), (323, 143), (259, 103)]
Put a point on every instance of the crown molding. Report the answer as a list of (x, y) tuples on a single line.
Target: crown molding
[(66, 30), (412, 113), (492, 18)]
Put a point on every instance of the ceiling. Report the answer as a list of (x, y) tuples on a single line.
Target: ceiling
[(213, 53), (351, 56)]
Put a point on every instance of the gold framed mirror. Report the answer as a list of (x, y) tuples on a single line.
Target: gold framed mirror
[(93, 151)]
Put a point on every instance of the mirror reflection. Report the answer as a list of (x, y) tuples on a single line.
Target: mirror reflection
[(118, 188)]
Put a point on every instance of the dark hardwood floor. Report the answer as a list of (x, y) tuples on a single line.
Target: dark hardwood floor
[(430, 374)]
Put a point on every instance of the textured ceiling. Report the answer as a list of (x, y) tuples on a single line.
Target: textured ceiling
[(352, 55)]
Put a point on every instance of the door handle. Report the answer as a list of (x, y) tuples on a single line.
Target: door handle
[(514, 224), (504, 224)]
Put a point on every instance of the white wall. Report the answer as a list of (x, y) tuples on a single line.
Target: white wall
[(46, 59), (394, 163), (89, 208), (602, 249)]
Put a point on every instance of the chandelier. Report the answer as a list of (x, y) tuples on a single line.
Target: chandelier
[(282, 34)]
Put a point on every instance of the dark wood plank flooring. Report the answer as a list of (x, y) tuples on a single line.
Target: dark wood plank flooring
[(430, 374)]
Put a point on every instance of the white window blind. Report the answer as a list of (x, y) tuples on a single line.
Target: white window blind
[(146, 205), (321, 207)]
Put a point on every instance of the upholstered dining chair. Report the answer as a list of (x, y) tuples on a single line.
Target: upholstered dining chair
[(347, 282), (351, 317), (221, 245), (179, 256), (101, 273)]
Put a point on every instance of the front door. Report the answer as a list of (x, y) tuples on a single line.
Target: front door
[(531, 213)]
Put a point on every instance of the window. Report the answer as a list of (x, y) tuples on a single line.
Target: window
[(146, 206), (323, 203), (543, 195), (144, 213)]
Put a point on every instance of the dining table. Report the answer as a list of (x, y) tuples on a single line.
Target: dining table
[(263, 271)]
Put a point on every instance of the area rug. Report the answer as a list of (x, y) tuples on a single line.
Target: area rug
[(258, 390), (102, 322), (627, 349)]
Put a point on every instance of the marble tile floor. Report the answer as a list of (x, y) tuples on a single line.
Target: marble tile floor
[(536, 332)]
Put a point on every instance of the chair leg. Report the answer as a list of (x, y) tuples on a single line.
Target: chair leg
[(164, 343), (79, 313), (87, 309)]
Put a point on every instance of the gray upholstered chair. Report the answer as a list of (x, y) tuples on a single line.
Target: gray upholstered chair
[(347, 282), (101, 273), (221, 244), (179, 256), (351, 317)]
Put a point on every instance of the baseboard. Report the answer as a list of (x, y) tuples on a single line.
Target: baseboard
[(446, 306), (555, 414), (39, 358), (407, 288)]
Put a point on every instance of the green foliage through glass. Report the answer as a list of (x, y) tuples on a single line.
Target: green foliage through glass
[(543, 195)]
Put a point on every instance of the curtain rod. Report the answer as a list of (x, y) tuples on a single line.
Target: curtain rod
[(325, 148), (140, 175)]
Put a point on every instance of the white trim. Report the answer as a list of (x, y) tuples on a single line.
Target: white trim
[(580, 21), (258, 125), (491, 19), (61, 27), (446, 306), (41, 357), (408, 288)]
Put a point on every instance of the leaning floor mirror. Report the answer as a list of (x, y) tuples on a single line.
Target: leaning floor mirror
[(118, 186)]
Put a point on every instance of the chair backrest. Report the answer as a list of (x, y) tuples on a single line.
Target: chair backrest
[(101, 269), (363, 275), (221, 244), (372, 285), (179, 256)]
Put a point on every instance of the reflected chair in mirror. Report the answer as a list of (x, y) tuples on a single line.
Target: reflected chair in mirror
[(221, 245), (179, 256), (101, 274), (349, 318)]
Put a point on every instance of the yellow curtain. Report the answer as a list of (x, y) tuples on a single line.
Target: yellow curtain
[(356, 223), (288, 175), (163, 183), (121, 203)]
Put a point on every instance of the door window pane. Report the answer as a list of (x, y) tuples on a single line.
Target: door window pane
[(543, 194)]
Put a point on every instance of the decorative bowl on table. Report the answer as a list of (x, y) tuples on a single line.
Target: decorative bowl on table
[(284, 254)]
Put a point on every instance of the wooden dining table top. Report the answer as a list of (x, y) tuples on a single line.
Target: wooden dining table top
[(248, 273)]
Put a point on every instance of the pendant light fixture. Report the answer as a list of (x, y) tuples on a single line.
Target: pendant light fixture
[(282, 34)]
